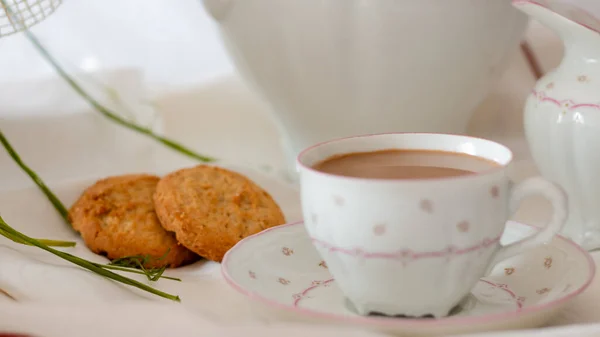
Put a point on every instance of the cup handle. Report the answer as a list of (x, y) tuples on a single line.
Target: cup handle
[(557, 198)]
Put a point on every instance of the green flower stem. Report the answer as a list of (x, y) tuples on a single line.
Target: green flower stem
[(135, 271), (11, 233), (58, 205), (50, 243), (109, 114), (57, 243)]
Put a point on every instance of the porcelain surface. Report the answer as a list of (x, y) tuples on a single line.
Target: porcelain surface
[(281, 268), (390, 242), (562, 116), (337, 68)]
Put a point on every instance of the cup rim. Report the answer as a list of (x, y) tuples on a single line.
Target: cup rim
[(499, 168)]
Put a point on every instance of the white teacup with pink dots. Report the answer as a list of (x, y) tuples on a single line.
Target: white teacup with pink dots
[(415, 247)]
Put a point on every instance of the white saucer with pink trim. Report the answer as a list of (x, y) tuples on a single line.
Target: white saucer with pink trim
[(280, 268)]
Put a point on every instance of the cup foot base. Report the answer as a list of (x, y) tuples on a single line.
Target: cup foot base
[(375, 313), (453, 311)]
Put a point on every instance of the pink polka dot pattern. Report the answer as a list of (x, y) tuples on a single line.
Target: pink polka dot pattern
[(495, 191), (426, 206), (463, 226), (379, 229)]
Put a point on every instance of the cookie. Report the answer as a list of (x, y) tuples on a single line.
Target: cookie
[(116, 218), (210, 209)]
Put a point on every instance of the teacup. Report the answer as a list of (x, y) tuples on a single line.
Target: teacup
[(416, 247)]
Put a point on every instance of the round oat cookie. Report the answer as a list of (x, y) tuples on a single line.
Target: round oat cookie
[(116, 218), (210, 209)]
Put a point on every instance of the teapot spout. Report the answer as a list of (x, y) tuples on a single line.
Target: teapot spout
[(218, 9), (573, 24)]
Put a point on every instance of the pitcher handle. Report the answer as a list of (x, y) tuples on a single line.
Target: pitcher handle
[(558, 199)]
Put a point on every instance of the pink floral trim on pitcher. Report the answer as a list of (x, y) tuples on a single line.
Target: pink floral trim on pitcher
[(406, 255), (568, 104)]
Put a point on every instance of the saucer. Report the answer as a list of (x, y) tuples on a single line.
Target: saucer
[(280, 268)]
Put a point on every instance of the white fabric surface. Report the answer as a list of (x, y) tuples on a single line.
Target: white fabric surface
[(144, 320), (152, 320)]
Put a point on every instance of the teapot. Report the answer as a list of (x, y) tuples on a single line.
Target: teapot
[(337, 68)]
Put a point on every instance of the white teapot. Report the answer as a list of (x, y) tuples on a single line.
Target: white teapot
[(337, 68)]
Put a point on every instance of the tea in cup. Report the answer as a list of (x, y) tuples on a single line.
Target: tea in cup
[(408, 223)]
